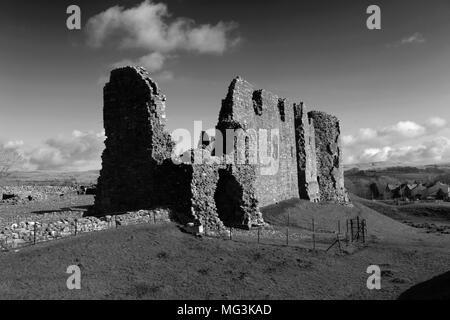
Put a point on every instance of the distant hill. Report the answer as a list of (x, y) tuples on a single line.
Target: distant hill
[(392, 164), (50, 177)]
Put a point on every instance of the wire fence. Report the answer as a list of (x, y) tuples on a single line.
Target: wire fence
[(313, 237)]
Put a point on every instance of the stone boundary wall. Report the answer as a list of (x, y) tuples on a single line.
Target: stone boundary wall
[(41, 229), (38, 193)]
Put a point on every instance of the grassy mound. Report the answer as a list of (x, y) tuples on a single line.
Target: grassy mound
[(326, 216)]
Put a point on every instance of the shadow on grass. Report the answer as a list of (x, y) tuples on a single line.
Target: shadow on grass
[(65, 209), (437, 288)]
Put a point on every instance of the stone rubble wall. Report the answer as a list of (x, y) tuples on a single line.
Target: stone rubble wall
[(250, 110), (330, 169), (38, 193), (306, 155), (136, 144), (22, 232)]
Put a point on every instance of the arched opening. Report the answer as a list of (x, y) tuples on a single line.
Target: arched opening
[(228, 198)]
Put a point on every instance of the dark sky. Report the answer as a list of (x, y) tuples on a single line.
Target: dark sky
[(319, 52)]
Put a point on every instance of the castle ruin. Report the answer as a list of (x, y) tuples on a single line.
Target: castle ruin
[(267, 149)]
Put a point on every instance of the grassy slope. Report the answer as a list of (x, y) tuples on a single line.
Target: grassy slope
[(326, 217), (158, 262), (413, 211)]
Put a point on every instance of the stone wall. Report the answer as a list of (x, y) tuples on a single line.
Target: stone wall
[(306, 155), (276, 151), (261, 115), (236, 197), (40, 229), (37, 193), (136, 142), (330, 170)]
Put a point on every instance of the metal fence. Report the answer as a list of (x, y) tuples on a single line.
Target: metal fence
[(314, 236)]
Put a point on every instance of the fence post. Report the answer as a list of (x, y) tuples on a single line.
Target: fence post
[(231, 230), (115, 221), (259, 230), (351, 230), (346, 231), (34, 232), (364, 231), (287, 236), (154, 217), (357, 227), (76, 226), (314, 235), (287, 230)]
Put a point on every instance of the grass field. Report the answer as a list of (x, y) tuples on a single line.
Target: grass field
[(159, 262)]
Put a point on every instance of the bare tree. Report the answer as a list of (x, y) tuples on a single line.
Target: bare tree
[(8, 159)]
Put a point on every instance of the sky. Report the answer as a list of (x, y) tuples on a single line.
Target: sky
[(390, 88)]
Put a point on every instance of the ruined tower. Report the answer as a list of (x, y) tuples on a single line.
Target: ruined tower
[(330, 169), (136, 142), (305, 139)]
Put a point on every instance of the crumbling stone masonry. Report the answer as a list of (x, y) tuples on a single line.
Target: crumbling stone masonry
[(270, 150), (305, 139), (262, 116), (136, 143), (330, 173)]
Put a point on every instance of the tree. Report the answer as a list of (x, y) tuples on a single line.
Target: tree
[(8, 159)]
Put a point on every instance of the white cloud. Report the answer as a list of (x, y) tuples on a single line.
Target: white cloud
[(79, 151), (13, 144), (415, 38), (405, 141), (434, 150), (147, 27), (436, 123), (407, 129), (402, 129), (152, 62)]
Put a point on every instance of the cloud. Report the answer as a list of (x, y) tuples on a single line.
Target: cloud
[(152, 62), (407, 129), (147, 27), (401, 130), (436, 123), (414, 39), (13, 144), (79, 151), (405, 141), (434, 150)]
